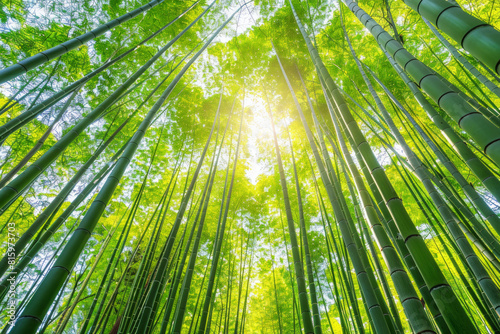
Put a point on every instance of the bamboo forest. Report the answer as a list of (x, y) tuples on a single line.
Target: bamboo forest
[(249, 166)]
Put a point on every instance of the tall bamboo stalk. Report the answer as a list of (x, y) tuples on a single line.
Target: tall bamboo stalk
[(474, 35), (32, 315), (298, 264), (34, 170), (481, 130), (32, 62), (372, 302), (440, 290), (17, 122)]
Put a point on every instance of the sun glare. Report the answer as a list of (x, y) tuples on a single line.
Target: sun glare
[(260, 132)]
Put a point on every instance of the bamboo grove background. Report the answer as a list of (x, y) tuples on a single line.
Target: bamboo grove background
[(262, 167)]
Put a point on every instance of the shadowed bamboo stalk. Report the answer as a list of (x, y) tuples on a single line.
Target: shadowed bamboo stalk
[(487, 108), (472, 194), (393, 233), (412, 306), (482, 172), (449, 218), (295, 307), (362, 251), (335, 291), (456, 203), (469, 282), (305, 243)]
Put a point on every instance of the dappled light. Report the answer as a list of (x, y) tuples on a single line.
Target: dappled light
[(249, 167)]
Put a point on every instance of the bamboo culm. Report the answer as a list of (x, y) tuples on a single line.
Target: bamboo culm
[(481, 130), (31, 317), (32, 62), (11, 189)]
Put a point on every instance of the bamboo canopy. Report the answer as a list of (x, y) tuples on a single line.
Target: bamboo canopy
[(266, 166)]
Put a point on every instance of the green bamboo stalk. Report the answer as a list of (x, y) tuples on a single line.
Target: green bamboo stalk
[(10, 190), (335, 291), (69, 311), (23, 241), (229, 291), (198, 298), (408, 296), (131, 260), (155, 287), (181, 304), (362, 251), (423, 174), (41, 241), (439, 288), (298, 265), (32, 62), (39, 143), (112, 263), (200, 221), (305, 242), (241, 276), (390, 226), (463, 224), (12, 99), (139, 281), (368, 240), (243, 320), (295, 307), (475, 164), (221, 227), (474, 35), (31, 317), (422, 203), (212, 305), (347, 287), (17, 122), (481, 130), (431, 216), (373, 304), (180, 265), (489, 111), (449, 218), (276, 295)]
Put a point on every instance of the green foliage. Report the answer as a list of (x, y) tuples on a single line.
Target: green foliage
[(242, 64)]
